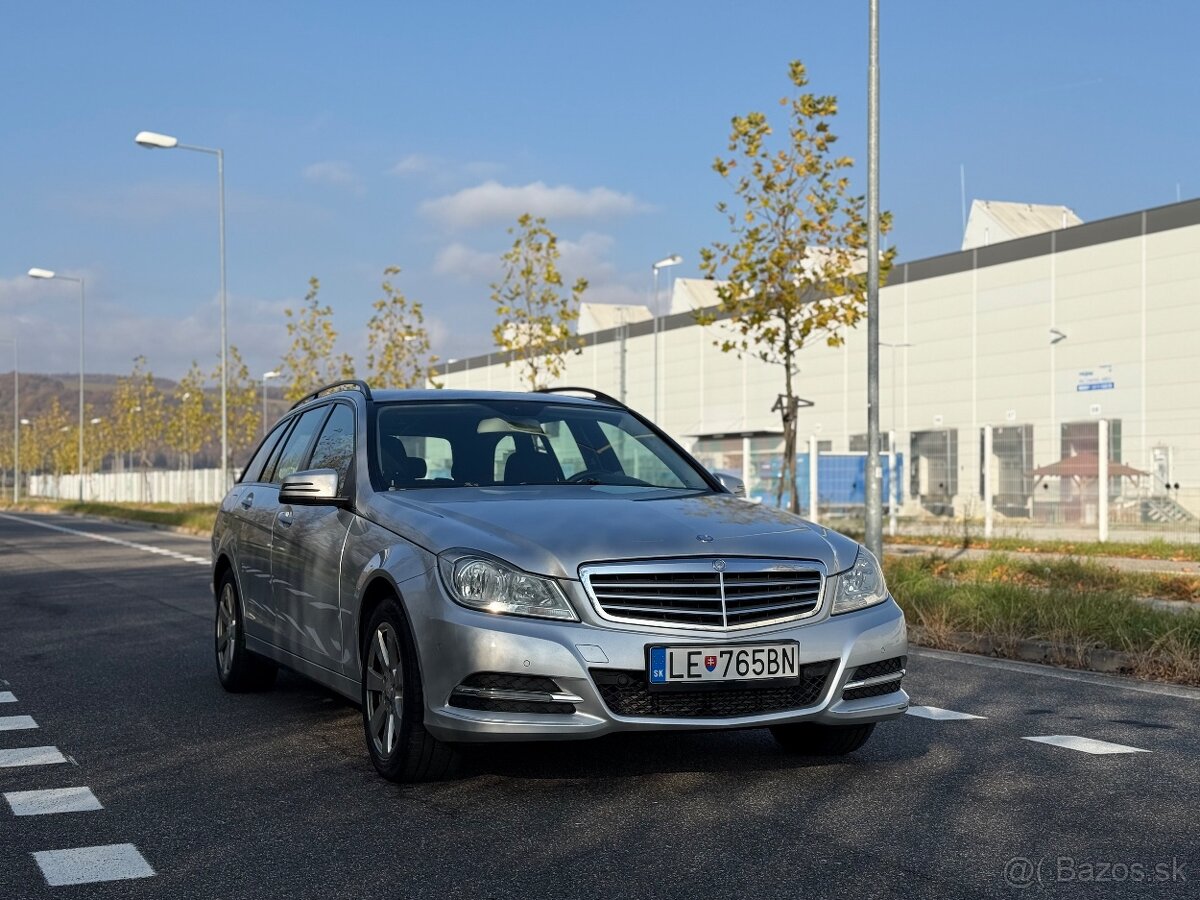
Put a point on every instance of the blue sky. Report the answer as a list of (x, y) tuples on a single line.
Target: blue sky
[(364, 135)]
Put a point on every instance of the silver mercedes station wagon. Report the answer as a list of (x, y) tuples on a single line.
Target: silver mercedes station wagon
[(476, 566)]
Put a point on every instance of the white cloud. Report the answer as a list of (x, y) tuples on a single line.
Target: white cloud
[(443, 172), (492, 201), (413, 164), (335, 174)]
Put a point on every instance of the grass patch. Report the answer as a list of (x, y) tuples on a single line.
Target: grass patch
[(1073, 603), (197, 518), (1154, 549)]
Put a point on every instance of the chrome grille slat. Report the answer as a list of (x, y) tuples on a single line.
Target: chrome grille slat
[(751, 610), (773, 595), (696, 594), (664, 609), (617, 596)]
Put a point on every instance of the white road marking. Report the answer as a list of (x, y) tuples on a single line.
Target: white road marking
[(84, 865), (1113, 681), (145, 548), (57, 800), (7, 697), (16, 723), (942, 715), (1084, 745), (30, 756)]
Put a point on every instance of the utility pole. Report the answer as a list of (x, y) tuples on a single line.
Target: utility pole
[(874, 498)]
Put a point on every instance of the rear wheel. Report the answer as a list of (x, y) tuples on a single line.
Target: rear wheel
[(239, 669), (811, 739), (393, 703)]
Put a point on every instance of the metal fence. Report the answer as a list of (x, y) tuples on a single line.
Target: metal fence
[(1016, 480), (151, 486)]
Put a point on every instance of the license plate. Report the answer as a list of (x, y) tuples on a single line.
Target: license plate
[(730, 662)]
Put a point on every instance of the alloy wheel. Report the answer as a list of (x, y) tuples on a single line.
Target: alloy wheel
[(384, 689), (227, 625)]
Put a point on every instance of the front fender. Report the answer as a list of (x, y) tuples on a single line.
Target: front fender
[(372, 553)]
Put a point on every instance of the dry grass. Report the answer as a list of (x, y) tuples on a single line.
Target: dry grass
[(195, 518), (1075, 605)]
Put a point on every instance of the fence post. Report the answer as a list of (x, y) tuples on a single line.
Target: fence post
[(812, 478), (893, 493), (1102, 478), (987, 481)]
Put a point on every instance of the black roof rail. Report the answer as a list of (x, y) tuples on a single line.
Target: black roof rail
[(354, 383), (595, 394)]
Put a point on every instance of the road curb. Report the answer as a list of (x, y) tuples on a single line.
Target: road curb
[(1095, 659)]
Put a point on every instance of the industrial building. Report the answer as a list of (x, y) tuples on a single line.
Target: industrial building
[(1041, 328)]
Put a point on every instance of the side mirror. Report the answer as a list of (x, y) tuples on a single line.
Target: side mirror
[(731, 483), (316, 487)]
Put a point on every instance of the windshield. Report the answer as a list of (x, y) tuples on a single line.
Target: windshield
[(477, 443)]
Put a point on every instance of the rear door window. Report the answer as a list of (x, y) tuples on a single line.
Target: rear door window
[(335, 446), (296, 446), (254, 468)]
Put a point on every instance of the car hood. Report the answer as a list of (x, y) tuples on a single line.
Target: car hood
[(554, 530)]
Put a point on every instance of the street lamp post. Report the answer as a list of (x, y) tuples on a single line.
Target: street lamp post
[(16, 424), (667, 263), (267, 375), (874, 498), (154, 141), (48, 274)]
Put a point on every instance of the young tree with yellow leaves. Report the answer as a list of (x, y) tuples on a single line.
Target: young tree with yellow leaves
[(310, 362), (796, 263), (192, 418), (535, 317), (397, 341)]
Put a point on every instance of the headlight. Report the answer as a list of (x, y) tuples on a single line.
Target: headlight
[(861, 585), (488, 585)]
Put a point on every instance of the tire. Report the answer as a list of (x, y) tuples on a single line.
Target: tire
[(810, 739), (239, 669), (393, 703)]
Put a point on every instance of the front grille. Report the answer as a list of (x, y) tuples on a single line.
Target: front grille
[(875, 670), (626, 693), (705, 593)]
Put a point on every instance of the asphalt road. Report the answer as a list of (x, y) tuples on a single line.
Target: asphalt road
[(106, 646)]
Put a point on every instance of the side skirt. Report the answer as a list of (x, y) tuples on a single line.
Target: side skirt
[(347, 687)]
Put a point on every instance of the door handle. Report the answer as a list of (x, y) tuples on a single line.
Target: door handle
[(285, 517), (248, 500)]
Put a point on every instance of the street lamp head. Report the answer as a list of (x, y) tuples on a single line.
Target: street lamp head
[(154, 141), (674, 260), (271, 374), (26, 422), (40, 273), (96, 421)]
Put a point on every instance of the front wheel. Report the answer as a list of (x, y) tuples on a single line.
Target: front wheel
[(811, 739), (393, 704), (239, 669)]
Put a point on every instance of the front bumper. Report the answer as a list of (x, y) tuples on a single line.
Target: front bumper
[(457, 643)]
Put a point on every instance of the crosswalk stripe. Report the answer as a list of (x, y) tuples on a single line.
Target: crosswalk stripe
[(7, 697), (30, 756), (1084, 745), (86, 865), (941, 715), (16, 723), (56, 800)]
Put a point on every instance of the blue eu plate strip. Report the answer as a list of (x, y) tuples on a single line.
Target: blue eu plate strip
[(658, 665)]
